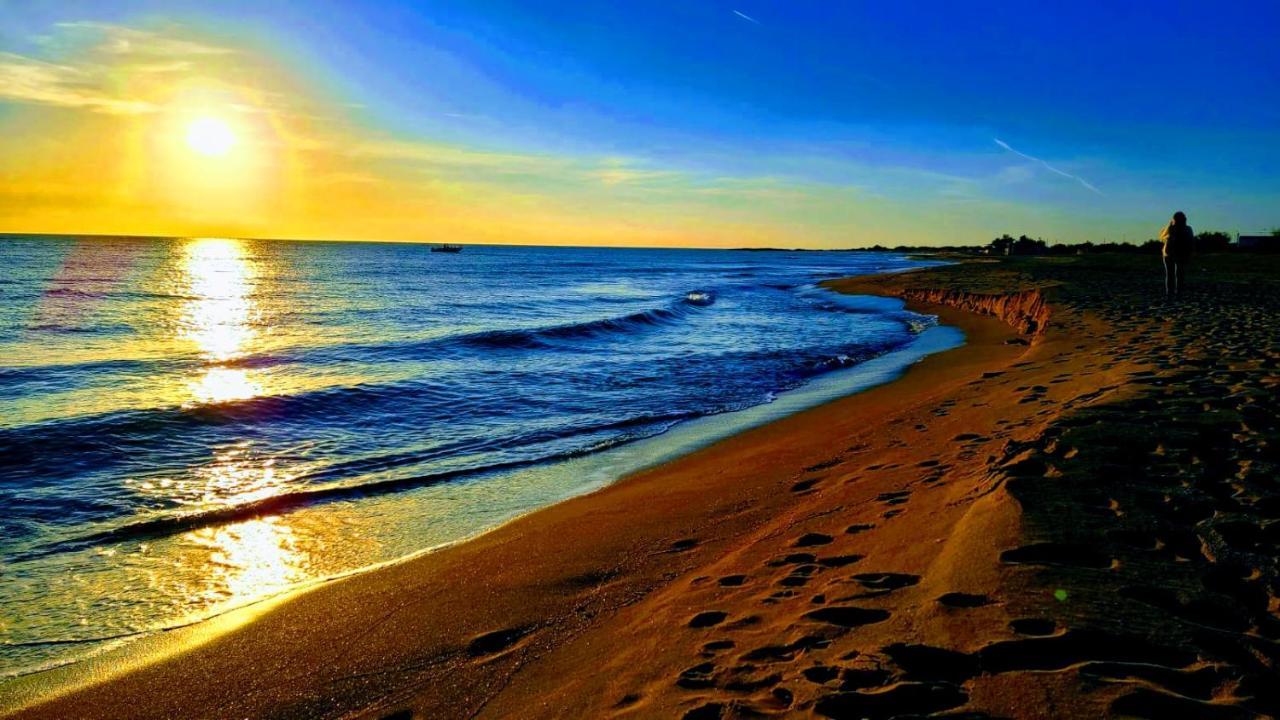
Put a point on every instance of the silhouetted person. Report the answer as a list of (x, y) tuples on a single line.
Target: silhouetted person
[(1178, 239)]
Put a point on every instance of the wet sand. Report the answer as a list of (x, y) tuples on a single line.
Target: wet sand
[(1076, 514)]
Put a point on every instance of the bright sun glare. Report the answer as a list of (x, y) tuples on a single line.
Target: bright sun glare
[(210, 136)]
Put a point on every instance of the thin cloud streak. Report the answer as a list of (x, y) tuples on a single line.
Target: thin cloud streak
[(1047, 166), (746, 17), (91, 82), (24, 79), (122, 40)]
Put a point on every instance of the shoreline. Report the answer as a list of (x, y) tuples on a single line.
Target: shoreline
[(598, 470), (159, 647), (954, 540), (153, 646)]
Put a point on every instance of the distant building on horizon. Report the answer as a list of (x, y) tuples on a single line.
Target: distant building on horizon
[(1259, 243)]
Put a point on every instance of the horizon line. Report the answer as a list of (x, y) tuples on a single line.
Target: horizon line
[(6, 234)]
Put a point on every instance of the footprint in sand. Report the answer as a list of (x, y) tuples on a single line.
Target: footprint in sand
[(799, 576), (886, 581), (709, 711), (897, 497), (824, 464), (820, 674), (708, 619), (792, 559), (805, 485), (964, 600), (697, 677), (494, 642), (812, 540), (1153, 705), (848, 616), (905, 699)]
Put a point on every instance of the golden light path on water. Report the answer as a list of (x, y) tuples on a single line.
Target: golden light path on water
[(219, 316), (249, 559), (252, 558)]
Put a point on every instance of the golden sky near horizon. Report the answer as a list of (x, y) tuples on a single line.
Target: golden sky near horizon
[(121, 130)]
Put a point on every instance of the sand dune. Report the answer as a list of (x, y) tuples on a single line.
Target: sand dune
[(1074, 515)]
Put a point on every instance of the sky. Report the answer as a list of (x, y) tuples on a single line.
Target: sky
[(699, 124)]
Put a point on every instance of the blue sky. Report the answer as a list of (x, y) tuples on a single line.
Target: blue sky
[(1108, 115)]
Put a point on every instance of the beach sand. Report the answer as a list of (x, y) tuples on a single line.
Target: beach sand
[(1076, 514)]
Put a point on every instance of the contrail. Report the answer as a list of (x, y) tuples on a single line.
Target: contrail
[(1047, 166), (746, 17)]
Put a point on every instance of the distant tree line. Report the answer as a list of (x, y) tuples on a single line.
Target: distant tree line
[(1213, 241), (1024, 245), (1206, 242)]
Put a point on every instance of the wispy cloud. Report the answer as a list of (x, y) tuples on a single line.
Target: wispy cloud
[(28, 80), (619, 174), (746, 17), (135, 42), (1085, 183), (458, 162), (437, 156), (92, 80)]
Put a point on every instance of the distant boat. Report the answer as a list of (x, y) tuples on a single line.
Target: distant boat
[(446, 248)]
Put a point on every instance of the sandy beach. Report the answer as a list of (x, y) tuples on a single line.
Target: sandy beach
[(1073, 515)]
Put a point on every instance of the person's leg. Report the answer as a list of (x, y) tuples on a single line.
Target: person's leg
[(1180, 275), (1168, 276)]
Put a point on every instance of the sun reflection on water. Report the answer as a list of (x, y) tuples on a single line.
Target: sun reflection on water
[(219, 317), (236, 476), (256, 557), (221, 384), (245, 560), (250, 559)]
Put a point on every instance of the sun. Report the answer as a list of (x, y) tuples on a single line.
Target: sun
[(210, 136)]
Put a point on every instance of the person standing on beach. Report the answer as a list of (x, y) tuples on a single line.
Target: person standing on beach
[(1177, 239)]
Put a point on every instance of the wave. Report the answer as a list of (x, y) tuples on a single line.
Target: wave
[(700, 298), (105, 439), (337, 477), (247, 362), (827, 300), (543, 337), (518, 338), (43, 447), (848, 358), (41, 450), (88, 330), (120, 438), (171, 523), (514, 338), (537, 337), (114, 293), (13, 375), (74, 292)]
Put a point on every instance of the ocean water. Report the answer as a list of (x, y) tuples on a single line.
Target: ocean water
[(188, 425)]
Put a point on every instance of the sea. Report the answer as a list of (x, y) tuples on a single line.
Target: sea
[(190, 425)]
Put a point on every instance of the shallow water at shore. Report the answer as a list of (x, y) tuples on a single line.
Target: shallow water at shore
[(209, 422)]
